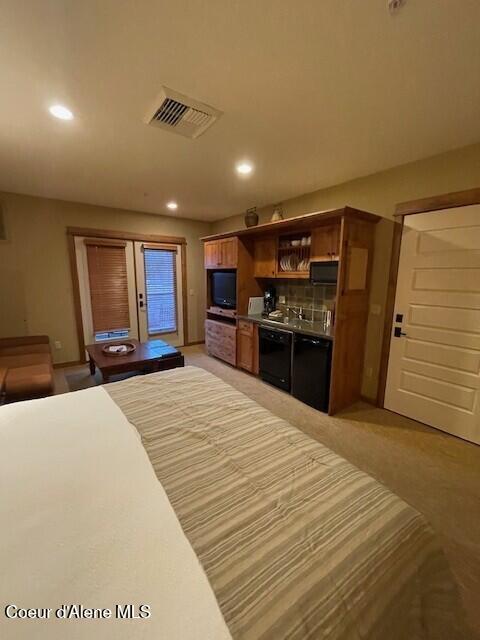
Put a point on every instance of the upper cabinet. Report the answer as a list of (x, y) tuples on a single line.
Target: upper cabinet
[(325, 242), (211, 254), (265, 257), (229, 253), (221, 254), (288, 256), (285, 248)]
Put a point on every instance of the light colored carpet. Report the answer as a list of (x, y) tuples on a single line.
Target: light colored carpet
[(436, 473)]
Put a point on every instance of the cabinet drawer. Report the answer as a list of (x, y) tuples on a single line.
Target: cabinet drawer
[(221, 340)]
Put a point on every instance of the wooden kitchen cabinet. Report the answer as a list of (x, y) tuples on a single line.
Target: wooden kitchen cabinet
[(265, 257), (211, 255), (220, 340), (325, 242), (221, 254), (228, 253), (247, 346), (343, 234)]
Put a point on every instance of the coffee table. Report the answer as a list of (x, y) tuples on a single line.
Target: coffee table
[(148, 357)]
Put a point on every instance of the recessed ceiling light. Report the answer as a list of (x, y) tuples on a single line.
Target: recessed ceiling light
[(61, 112), (244, 168), (172, 205)]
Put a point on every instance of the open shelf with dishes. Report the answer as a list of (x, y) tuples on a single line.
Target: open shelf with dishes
[(293, 255)]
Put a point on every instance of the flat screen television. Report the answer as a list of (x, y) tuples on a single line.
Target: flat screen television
[(224, 289)]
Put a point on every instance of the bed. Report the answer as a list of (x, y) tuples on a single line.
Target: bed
[(175, 492)]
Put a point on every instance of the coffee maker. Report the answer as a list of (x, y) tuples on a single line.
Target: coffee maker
[(269, 300)]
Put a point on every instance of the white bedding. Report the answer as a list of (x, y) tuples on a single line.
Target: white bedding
[(84, 520)]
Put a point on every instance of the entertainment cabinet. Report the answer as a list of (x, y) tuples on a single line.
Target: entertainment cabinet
[(257, 254)]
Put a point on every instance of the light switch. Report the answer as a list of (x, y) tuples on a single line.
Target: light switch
[(375, 309), (58, 344), (281, 299)]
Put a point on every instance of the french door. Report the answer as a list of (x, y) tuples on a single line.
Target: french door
[(159, 292), (434, 364), (130, 289)]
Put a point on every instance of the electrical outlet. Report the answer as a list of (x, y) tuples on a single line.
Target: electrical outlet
[(191, 292), (375, 309), (58, 344)]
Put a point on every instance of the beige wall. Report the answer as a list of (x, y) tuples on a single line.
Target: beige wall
[(35, 280), (379, 193)]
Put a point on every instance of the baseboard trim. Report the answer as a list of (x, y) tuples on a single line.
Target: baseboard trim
[(368, 400), (191, 344), (62, 365)]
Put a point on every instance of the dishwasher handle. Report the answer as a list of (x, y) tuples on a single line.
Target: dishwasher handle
[(313, 341), (280, 337)]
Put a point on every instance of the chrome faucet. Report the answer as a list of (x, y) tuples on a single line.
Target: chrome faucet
[(299, 314)]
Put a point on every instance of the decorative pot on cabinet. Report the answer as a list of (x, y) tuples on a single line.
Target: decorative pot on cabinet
[(277, 213), (251, 217)]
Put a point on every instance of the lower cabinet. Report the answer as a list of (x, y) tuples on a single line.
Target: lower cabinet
[(247, 346), (221, 340)]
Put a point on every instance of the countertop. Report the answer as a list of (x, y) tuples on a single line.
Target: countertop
[(306, 327)]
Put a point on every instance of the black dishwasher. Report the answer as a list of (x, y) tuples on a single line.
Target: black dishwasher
[(275, 356), (312, 359)]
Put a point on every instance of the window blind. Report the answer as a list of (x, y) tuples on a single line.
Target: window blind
[(107, 274), (161, 289)]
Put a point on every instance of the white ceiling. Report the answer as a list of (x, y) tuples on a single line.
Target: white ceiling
[(313, 92)]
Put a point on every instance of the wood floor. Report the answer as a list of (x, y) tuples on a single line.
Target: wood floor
[(436, 473)]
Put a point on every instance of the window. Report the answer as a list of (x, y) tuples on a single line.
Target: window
[(112, 335), (107, 274), (161, 289)]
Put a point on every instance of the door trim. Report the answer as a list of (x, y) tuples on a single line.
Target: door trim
[(389, 311), (402, 209), (117, 235), (124, 235), (436, 203)]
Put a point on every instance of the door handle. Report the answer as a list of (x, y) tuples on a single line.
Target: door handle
[(398, 333)]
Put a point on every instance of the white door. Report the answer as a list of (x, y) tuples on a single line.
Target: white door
[(434, 365), (159, 292)]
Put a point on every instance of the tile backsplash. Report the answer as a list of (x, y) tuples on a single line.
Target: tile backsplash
[(314, 300)]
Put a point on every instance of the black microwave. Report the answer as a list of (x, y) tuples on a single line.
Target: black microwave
[(324, 272)]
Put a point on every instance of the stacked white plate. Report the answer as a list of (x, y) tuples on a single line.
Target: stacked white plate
[(303, 265), (289, 262)]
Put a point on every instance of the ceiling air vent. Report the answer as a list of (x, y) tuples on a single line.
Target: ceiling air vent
[(180, 114)]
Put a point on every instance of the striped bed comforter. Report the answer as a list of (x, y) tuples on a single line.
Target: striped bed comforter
[(295, 541)]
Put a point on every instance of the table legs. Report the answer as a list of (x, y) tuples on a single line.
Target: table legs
[(91, 364)]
